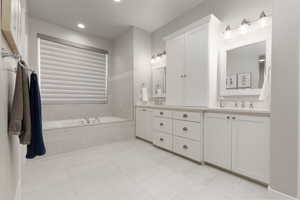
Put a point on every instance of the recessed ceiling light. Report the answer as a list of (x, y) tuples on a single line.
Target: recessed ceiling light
[(80, 25), (118, 1)]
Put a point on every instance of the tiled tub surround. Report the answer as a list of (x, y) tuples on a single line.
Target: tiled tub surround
[(234, 139), (70, 135)]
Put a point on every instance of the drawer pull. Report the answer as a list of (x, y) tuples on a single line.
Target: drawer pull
[(161, 113), (185, 129), (228, 117), (185, 116), (144, 110), (234, 118), (161, 124), (185, 147), (161, 139)]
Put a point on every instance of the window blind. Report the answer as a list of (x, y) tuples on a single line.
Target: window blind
[(71, 73)]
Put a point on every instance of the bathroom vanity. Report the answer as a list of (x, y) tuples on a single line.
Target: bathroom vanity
[(204, 73), (233, 139)]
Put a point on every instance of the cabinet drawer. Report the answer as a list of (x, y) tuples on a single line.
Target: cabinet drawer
[(163, 140), (162, 125), (190, 130), (163, 113), (188, 116), (188, 148)]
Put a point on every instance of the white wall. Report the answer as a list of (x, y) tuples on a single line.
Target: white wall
[(11, 152), (285, 97), (141, 63), (122, 76), (56, 112), (230, 12)]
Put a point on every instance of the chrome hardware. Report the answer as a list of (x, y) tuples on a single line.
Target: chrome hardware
[(185, 129), (251, 106), (185, 116), (185, 147), (234, 118), (228, 117), (161, 113), (144, 110), (161, 139), (161, 124)]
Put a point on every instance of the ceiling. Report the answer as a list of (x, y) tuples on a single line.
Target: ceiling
[(108, 19)]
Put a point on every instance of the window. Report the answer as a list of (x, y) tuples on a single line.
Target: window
[(71, 73)]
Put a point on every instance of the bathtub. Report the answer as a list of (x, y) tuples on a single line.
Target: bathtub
[(64, 136)]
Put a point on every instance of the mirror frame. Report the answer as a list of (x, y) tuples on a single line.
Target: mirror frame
[(254, 36)]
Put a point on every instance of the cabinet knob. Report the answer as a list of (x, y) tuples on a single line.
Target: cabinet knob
[(185, 129), (185, 116), (228, 117), (185, 147), (234, 118), (161, 113), (161, 124), (161, 139)]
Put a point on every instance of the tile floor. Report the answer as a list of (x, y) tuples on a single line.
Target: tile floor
[(132, 170)]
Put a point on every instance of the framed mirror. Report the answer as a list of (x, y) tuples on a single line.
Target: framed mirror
[(244, 62), (159, 82)]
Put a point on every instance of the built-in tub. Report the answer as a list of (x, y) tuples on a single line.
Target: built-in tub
[(64, 136)]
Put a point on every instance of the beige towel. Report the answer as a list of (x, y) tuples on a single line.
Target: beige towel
[(20, 121)]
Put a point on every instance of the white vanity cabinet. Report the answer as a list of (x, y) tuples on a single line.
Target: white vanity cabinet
[(217, 139), (144, 124), (251, 146), (192, 64), (239, 143)]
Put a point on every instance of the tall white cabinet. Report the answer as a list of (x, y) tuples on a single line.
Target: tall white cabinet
[(192, 64)]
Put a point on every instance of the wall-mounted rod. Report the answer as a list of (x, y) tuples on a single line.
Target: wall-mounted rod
[(5, 53)]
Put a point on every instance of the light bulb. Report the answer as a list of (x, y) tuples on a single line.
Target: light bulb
[(158, 58), (263, 20), (227, 34), (81, 26), (153, 60), (244, 26)]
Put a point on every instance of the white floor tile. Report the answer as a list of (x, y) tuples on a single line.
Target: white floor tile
[(132, 170)]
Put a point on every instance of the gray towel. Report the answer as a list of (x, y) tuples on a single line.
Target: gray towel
[(20, 121)]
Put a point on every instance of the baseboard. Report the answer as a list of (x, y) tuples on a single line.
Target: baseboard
[(282, 194), (18, 193)]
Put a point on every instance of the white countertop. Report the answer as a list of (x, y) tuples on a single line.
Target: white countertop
[(207, 109)]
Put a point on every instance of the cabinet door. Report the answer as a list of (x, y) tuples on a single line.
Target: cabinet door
[(250, 147), (144, 124), (217, 140), (175, 69), (196, 81)]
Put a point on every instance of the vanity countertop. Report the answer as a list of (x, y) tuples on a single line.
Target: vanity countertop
[(259, 112)]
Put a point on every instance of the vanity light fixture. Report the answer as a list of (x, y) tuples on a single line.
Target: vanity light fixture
[(263, 19), (262, 22), (158, 58), (244, 26), (81, 25), (228, 32)]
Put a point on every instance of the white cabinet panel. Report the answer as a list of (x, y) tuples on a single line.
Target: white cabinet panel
[(250, 147), (163, 125), (196, 81), (175, 70), (217, 140), (188, 148), (188, 116), (162, 113), (190, 130), (163, 140), (144, 124)]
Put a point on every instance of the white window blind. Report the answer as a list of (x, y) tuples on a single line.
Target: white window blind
[(71, 73)]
